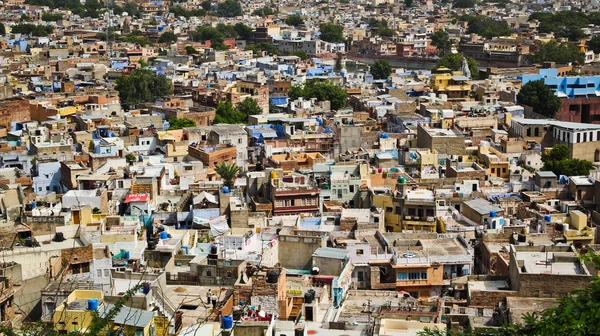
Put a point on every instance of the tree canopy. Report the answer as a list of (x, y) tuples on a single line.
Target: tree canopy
[(294, 20), (206, 5), (131, 8), (265, 11), (331, 33), (52, 17), (179, 123), (244, 32), (540, 98), (229, 8), (454, 63), (441, 40), (557, 160), (464, 3), (487, 27), (33, 29), (227, 114), (142, 85), (322, 91), (381, 26), (561, 53), (167, 37), (263, 46), (381, 69), (180, 11), (594, 44), (208, 33), (565, 23)]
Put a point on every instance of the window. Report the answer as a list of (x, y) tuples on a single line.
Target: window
[(99, 273), (402, 276), (493, 170), (360, 252), (47, 188), (423, 275), (208, 273), (389, 209), (240, 141), (351, 188), (414, 276), (361, 276), (229, 274), (106, 273)]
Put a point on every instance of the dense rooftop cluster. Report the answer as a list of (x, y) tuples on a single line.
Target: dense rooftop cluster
[(309, 168)]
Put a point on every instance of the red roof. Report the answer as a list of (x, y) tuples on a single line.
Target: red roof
[(137, 198)]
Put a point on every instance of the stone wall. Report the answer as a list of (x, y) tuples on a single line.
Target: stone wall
[(489, 298)]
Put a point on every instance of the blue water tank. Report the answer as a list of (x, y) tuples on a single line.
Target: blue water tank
[(186, 249), (127, 255), (146, 288), (226, 190), (227, 322), (92, 304), (33, 205), (548, 218), (492, 214), (385, 136), (164, 235)]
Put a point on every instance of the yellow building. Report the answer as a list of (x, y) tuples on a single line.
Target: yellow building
[(385, 201), (75, 313), (453, 84)]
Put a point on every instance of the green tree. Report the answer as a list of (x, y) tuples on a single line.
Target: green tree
[(244, 32), (294, 20), (381, 69), (248, 107), (561, 53), (265, 11), (131, 8), (179, 123), (167, 37), (464, 3), (441, 40), (594, 44), (179, 11), (226, 114), (228, 172), (25, 18), (130, 158), (331, 33), (408, 3), (487, 27), (228, 31), (540, 98), (35, 30), (52, 17), (206, 5), (300, 53), (2, 29), (454, 63), (229, 8), (263, 46), (142, 85), (208, 33), (190, 50), (322, 91), (557, 160)]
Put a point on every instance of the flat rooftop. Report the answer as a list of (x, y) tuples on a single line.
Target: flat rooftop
[(518, 306), (492, 285), (538, 262)]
